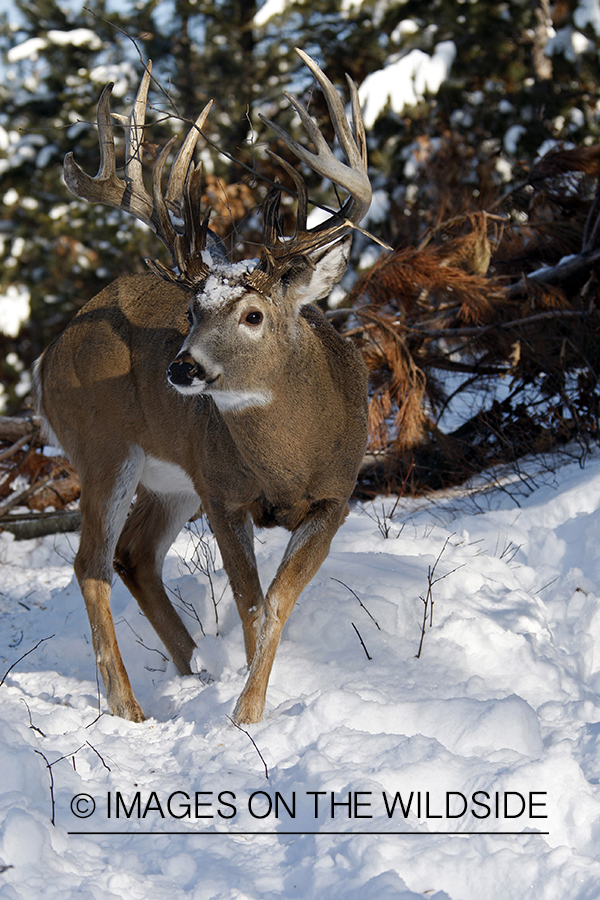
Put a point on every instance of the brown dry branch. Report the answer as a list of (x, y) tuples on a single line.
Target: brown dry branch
[(10, 451), (51, 482), (46, 486), (486, 312)]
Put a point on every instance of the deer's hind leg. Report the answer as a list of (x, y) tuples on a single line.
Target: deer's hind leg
[(103, 514), (151, 527)]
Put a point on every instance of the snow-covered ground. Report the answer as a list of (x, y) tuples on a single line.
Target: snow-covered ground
[(471, 771)]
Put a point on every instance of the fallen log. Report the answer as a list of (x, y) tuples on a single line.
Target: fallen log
[(32, 525), (12, 428)]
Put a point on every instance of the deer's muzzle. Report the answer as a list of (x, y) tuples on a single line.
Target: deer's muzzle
[(184, 371)]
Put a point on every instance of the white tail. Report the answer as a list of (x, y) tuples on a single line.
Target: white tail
[(212, 384)]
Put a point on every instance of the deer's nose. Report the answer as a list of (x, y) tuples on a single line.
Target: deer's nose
[(184, 370)]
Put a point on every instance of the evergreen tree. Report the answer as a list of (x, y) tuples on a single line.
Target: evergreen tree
[(58, 251)]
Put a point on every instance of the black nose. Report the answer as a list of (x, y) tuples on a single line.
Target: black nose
[(184, 370)]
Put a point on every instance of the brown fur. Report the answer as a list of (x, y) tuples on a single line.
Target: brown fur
[(292, 462)]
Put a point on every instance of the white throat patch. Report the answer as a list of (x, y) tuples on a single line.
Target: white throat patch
[(232, 401)]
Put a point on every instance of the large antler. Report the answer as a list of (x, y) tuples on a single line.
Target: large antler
[(279, 254), (187, 240), (182, 198)]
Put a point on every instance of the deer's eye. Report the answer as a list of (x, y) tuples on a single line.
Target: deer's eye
[(253, 317), (190, 318)]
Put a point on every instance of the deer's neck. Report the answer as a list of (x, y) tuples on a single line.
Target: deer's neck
[(291, 444)]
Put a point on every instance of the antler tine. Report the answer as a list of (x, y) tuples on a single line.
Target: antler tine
[(164, 225), (183, 159), (302, 212), (105, 187), (335, 106), (174, 199), (352, 175), (141, 204), (185, 242)]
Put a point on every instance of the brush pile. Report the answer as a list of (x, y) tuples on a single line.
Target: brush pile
[(482, 342), (37, 492)]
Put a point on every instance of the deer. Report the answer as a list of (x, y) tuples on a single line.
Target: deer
[(214, 385)]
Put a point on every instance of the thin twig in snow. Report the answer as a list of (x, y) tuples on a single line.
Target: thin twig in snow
[(359, 600), (49, 767), (23, 657), (98, 755), (364, 646), (141, 643), (31, 725), (248, 735), (428, 599)]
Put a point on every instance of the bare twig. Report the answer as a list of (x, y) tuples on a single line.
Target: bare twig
[(479, 330), (49, 767), (561, 272), (10, 451), (203, 560), (98, 755), (18, 498), (248, 735), (364, 646), (142, 644), (31, 725), (354, 594), (99, 698), (186, 606), (402, 489), (14, 427), (23, 657), (428, 599)]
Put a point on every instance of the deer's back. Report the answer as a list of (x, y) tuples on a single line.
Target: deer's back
[(109, 366)]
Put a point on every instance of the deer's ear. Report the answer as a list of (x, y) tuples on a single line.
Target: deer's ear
[(314, 278)]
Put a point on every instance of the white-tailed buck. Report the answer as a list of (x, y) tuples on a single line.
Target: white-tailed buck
[(210, 383)]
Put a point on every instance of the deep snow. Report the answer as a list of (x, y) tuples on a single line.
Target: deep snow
[(503, 701)]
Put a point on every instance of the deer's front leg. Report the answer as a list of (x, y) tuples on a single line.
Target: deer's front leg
[(234, 534), (306, 551)]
